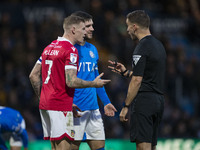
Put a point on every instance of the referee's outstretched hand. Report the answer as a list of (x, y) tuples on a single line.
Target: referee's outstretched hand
[(123, 113), (116, 67), (98, 82)]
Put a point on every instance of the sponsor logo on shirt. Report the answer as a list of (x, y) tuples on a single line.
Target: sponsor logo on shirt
[(136, 58), (87, 66), (73, 57)]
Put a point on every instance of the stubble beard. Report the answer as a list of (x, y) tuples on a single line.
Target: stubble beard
[(89, 36)]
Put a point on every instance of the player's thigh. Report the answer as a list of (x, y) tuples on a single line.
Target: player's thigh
[(143, 146), (61, 125), (63, 144), (53, 146), (80, 125), (75, 145), (15, 148), (46, 125), (95, 127), (96, 144)]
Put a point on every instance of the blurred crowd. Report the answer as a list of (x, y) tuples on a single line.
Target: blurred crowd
[(26, 27)]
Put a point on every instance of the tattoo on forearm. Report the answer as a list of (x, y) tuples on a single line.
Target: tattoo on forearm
[(73, 81), (37, 87), (36, 80)]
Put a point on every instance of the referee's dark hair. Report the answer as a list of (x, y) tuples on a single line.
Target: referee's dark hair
[(83, 15), (139, 17)]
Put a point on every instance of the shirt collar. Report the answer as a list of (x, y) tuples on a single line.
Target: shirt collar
[(63, 39)]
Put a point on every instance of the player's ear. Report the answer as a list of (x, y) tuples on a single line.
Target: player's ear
[(135, 27), (73, 29)]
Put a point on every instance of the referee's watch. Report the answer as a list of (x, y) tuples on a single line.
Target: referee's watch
[(125, 105)]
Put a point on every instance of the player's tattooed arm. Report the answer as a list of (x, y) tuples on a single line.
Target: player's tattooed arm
[(73, 82), (35, 78)]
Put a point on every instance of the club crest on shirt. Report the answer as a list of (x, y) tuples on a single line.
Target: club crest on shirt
[(73, 57), (136, 58), (91, 54), (72, 133)]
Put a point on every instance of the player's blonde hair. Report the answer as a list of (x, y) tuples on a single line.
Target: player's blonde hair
[(71, 20)]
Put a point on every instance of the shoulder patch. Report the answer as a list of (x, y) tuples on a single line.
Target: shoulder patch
[(136, 58), (73, 57)]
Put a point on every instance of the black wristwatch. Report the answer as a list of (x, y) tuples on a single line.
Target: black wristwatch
[(122, 73), (124, 105)]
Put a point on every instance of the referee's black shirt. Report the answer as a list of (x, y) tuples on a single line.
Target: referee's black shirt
[(149, 61)]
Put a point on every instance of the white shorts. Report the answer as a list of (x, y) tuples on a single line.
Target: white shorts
[(15, 142), (57, 124), (91, 124), (15, 139)]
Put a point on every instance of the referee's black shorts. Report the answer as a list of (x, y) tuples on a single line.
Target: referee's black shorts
[(146, 114)]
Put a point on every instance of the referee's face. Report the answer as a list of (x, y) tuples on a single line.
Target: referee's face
[(89, 29), (130, 29)]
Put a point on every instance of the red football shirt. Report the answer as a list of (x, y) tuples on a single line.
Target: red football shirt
[(56, 58)]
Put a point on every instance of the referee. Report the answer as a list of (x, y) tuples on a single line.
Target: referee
[(145, 91)]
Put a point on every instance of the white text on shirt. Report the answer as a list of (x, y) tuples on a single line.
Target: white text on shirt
[(51, 52), (87, 66)]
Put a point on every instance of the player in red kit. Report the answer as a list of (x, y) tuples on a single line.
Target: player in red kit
[(58, 68), (58, 55)]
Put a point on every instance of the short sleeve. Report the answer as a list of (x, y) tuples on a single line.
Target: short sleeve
[(139, 63), (71, 61), (139, 60)]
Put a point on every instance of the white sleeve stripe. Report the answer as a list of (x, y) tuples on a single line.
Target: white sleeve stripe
[(38, 62), (70, 67)]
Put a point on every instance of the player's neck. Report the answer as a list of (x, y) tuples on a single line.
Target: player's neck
[(143, 33), (70, 38), (83, 43)]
